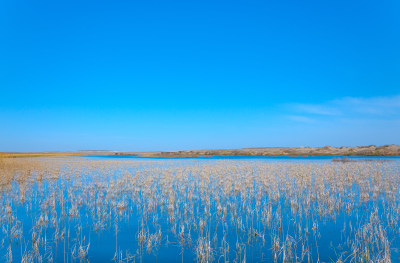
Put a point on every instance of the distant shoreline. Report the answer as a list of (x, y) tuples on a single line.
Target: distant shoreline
[(370, 150)]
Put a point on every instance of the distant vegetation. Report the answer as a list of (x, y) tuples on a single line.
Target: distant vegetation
[(371, 150), (37, 154)]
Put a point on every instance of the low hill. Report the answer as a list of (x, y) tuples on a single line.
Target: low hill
[(371, 150)]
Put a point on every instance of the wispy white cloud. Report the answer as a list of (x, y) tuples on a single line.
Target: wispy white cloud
[(300, 118), (351, 107), (317, 109), (371, 106)]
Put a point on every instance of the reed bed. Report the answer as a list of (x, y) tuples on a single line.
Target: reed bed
[(80, 210)]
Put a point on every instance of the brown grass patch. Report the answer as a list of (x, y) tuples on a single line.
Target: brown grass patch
[(37, 154)]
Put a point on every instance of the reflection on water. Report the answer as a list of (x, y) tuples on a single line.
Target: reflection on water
[(229, 209)]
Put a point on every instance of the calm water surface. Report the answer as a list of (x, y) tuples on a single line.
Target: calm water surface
[(236, 209)]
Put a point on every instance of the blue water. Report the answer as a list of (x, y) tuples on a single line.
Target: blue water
[(261, 158), (120, 230)]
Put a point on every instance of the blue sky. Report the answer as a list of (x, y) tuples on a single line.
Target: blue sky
[(168, 75)]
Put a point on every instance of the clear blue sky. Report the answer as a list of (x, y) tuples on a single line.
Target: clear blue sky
[(167, 75)]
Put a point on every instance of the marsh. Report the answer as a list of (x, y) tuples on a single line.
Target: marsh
[(79, 209)]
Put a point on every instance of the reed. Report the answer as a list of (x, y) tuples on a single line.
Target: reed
[(212, 210)]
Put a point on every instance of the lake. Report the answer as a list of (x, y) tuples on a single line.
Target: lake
[(219, 209)]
